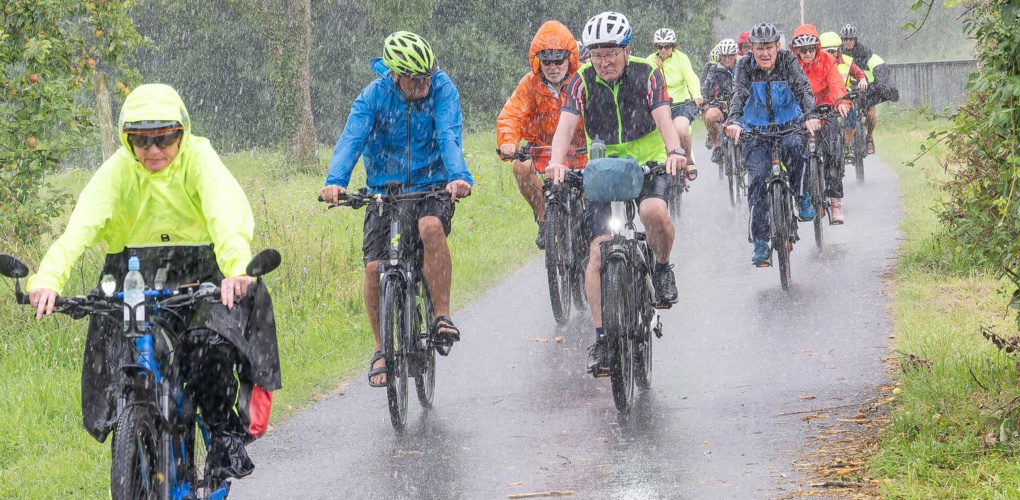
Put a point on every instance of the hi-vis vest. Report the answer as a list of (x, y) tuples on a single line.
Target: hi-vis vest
[(844, 68)]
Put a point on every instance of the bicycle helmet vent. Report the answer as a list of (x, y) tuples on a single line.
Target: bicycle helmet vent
[(607, 28)]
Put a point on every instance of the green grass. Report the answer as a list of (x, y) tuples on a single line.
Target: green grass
[(323, 331), (934, 445)]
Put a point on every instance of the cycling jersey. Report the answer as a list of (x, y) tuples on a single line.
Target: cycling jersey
[(533, 110), (787, 87), (193, 201), (638, 91), (850, 72), (416, 143), (682, 82)]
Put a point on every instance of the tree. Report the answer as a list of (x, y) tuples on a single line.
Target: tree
[(50, 48)]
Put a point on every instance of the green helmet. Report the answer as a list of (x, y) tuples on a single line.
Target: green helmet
[(830, 39), (408, 54)]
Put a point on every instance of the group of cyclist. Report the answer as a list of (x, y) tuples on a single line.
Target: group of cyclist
[(407, 126)]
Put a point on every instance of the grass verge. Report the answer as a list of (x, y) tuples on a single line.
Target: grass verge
[(323, 331)]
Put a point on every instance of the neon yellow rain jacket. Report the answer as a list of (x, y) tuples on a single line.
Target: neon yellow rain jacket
[(682, 82), (193, 201)]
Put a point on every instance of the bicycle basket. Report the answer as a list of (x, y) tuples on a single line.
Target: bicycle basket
[(613, 179)]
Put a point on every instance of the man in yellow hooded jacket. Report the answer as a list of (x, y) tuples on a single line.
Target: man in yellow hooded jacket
[(166, 197)]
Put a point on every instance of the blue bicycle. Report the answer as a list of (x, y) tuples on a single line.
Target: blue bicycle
[(153, 449)]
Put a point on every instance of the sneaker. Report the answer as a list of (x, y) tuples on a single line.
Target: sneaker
[(708, 142), (807, 212), (717, 155), (540, 239), (762, 254), (848, 153), (836, 210), (597, 358), (665, 286)]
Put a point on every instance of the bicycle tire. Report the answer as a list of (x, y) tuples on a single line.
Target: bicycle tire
[(860, 149), (557, 262), (134, 468), (676, 198), (741, 173), (781, 219), (580, 248), (618, 322), (425, 375), (643, 345), (731, 173), (816, 186), (391, 325)]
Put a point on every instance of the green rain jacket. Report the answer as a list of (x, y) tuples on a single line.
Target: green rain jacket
[(126, 205)]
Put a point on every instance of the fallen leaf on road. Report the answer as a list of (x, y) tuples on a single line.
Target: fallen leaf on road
[(808, 396), (559, 340)]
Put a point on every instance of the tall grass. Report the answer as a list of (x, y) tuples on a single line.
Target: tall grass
[(323, 331), (959, 386)]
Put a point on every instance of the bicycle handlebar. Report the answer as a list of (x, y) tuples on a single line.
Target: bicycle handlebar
[(362, 198), (524, 152)]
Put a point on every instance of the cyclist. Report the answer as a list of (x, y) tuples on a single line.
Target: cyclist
[(718, 86), (410, 94), (867, 61), (853, 77), (682, 83), (743, 45), (828, 87), (776, 72), (165, 194), (624, 102), (582, 53), (532, 110), (713, 58)]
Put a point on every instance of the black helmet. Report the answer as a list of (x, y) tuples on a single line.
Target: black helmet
[(848, 31), (151, 125), (552, 55), (763, 33)]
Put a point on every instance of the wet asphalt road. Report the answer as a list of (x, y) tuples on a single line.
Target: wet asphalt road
[(517, 415)]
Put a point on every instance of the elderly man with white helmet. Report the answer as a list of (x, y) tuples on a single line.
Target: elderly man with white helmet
[(624, 103), (682, 83)]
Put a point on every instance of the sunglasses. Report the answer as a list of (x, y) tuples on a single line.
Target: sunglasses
[(805, 50), (556, 62), (162, 141), (666, 46)]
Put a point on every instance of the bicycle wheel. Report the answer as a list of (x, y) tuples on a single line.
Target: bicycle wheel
[(557, 262), (816, 183), (618, 322), (741, 172), (580, 248), (676, 197), (781, 214), (134, 471), (391, 325), (425, 376), (643, 345), (860, 149)]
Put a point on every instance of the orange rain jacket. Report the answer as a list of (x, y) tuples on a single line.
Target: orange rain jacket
[(826, 81), (533, 110)]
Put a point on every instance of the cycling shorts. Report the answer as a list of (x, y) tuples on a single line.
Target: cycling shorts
[(685, 109), (596, 218), (850, 122), (375, 246)]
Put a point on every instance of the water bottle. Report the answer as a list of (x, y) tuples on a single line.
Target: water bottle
[(597, 149), (134, 294)]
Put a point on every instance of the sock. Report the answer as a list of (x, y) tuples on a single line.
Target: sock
[(661, 267), (598, 334)]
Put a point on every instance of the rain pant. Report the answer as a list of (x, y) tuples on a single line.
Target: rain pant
[(166, 218), (418, 144), (533, 110), (682, 82)]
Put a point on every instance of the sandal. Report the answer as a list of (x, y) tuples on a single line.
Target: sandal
[(382, 370), (870, 147), (446, 333)]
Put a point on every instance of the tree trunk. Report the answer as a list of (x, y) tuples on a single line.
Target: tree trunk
[(303, 142), (107, 134)]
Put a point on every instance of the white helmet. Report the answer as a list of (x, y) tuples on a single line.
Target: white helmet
[(713, 56), (727, 47), (607, 28), (665, 35)]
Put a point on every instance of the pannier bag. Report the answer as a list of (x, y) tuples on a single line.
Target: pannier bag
[(613, 179)]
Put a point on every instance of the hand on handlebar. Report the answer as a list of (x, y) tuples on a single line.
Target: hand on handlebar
[(733, 132), (236, 287), (844, 109), (331, 194), (458, 189), (675, 163), (556, 171), (862, 85), (43, 300), (507, 151), (813, 125)]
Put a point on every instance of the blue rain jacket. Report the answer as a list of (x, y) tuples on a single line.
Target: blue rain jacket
[(789, 86), (418, 144)]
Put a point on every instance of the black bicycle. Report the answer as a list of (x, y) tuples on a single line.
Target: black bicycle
[(566, 236), (677, 187), (629, 310), (817, 182), (409, 340), (860, 143), (153, 448), (780, 196)]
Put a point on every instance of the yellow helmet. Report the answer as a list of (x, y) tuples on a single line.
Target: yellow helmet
[(830, 39)]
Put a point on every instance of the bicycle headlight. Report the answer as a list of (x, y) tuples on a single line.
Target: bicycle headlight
[(615, 224)]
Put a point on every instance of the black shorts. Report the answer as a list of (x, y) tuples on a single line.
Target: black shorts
[(377, 228), (685, 109), (596, 217)]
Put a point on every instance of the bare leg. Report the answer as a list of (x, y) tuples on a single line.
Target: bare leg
[(530, 187), (683, 127), (658, 228), (869, 122), (438, 265), (593, 281), (370, 295), (712, 118)]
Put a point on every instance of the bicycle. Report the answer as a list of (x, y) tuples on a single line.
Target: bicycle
[(629, 309), (153, 448), (860, 144), (409, 343), (677, 187), (816, 179), (782, 218), (566, 245)]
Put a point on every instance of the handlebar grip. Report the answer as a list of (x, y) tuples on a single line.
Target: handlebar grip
[(692, 174)]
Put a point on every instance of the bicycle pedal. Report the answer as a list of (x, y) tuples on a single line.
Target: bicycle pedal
[(600, 373), (664, 305), (836, 223), (763, 264)]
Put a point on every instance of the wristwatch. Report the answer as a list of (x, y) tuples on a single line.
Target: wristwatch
[(677, 151)]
